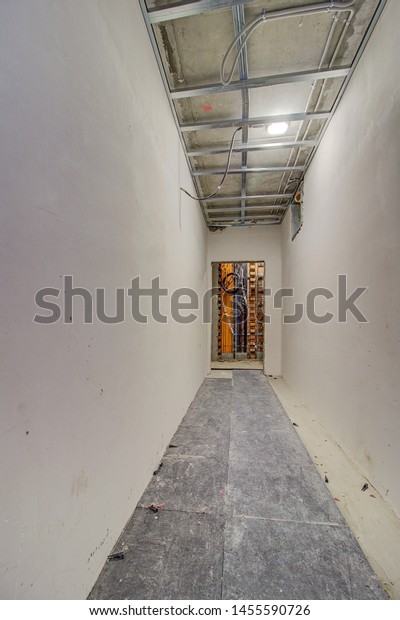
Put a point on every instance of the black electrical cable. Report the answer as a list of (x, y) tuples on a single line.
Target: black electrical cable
[(228, 163), (234, 290)]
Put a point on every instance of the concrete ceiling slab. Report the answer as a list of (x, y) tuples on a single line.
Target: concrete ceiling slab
[(190, 50)]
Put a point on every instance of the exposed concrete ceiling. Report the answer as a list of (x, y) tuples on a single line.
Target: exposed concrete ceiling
[(295, 65)]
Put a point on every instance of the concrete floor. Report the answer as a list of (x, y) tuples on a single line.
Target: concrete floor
[(246, 514), (238, 365)]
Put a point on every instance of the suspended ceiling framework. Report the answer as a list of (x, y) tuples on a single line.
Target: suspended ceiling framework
[(293, 68)]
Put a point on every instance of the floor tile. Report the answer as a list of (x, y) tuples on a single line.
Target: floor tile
[(168, 555), (190, 484), (293, 493), (294, 561)]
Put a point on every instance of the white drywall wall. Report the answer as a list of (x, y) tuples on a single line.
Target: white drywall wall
[(348, 374), (262, 243), (90, 169)]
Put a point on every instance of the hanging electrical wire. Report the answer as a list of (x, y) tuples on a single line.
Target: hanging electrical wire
[(234, 289), (228, 163), (237, 286)]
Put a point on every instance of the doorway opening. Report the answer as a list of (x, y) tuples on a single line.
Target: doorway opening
[(238, 314)]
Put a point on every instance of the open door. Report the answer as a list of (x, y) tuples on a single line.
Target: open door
[(238, 314)]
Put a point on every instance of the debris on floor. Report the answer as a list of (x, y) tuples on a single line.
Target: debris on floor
[(219, 519), (157, 470), (172, 445), (294, 424), (326, 479), (155, 507), (365, 487), (116, 556)]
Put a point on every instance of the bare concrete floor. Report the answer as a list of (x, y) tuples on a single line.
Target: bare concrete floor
[(245, 513)]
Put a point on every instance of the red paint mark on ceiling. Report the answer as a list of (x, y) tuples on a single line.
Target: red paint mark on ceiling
[(207, 107)]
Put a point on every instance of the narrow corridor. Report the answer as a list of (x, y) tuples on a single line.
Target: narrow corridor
[(245, 512)]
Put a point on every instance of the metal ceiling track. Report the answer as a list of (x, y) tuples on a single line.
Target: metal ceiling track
[(211, 171), (230, 218), (223, 210), (245, 197), (261, 82), (234, 223), (177, 10), (303, 144), (257, 121)]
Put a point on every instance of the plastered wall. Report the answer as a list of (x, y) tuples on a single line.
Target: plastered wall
[(348, 374), (90, 169)]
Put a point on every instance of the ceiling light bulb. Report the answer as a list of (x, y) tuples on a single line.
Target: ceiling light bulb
[(277, 129)]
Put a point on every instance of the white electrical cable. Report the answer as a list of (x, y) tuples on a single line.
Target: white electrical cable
[(249, 28), (228, 163)]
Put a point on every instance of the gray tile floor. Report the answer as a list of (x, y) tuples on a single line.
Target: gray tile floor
[(246, 514)]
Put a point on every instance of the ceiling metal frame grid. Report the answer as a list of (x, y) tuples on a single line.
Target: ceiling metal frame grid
[(248, 213)]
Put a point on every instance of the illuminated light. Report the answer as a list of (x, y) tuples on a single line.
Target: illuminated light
[(277, 129)]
